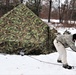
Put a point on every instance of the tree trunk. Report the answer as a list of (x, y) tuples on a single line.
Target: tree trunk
[(21, 1), (50, 3), (7, 2), (72, 10)]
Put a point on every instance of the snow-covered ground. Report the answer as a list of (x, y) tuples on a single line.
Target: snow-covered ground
[(61, 30), (37, 65)]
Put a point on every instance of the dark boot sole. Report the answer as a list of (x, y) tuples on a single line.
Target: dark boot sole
[(59, 61), (67, 67)]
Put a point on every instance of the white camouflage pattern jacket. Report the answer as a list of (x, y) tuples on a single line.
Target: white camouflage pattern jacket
[(67, 41)]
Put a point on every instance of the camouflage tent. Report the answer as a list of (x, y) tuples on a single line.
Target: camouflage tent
[(22, 30)]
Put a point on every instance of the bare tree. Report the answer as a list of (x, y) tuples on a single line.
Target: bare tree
[(7, 2), (73, 6), (50, 4), (60, 19), (66, 11), (34, 5), (21, 1)]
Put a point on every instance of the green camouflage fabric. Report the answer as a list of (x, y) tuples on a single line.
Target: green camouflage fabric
[(21, 29)]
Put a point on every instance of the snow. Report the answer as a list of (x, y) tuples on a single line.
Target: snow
[(72, 30), (37, 64)]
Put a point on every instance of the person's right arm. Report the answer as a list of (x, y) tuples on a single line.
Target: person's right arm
[(71, 44)]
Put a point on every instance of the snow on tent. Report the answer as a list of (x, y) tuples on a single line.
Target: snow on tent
[(22, 30)]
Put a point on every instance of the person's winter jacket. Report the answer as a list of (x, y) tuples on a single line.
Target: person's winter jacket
[(67, 41)]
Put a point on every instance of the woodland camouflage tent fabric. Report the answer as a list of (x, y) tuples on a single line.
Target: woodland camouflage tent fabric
[(22, 30)]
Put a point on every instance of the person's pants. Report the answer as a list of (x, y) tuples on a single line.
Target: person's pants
[(62, 51)]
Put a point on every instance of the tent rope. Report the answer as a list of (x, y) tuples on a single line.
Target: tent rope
[(44, 61)]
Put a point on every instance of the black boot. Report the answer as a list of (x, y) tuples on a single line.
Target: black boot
[(59, 61), (66, 66)]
